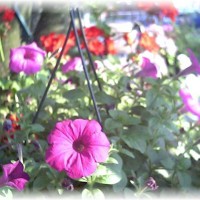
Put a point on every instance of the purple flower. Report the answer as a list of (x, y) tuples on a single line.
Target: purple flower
[(190, 94), (14, 176), (7, 125), (148, 69), (76, 147), (27, 59), (151, 183), (67, 184), (193, 68), (71, 65), (191, 104)]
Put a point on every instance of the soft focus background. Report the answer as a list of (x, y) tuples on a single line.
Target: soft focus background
[(146, 56)]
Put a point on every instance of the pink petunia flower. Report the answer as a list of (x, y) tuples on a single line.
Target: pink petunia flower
[(76, 147), (189, 94), (71, 65), (14, 176), (28, 59), (148, 69), (193, 68)]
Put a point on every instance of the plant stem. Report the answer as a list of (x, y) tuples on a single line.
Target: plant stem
[(1, 51), (20, 152)]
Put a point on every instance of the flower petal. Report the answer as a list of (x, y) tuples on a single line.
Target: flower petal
[(82, 165), (33, 46), (19, 183), (191, 104), (64, 128), (9, 168), (78, 126), (194, 60), (98, 146), (71, 64), (31, 67), (16, 60), (91, 127), (58, 156)]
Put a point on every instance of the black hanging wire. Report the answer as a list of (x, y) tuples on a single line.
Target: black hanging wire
[(87, 49), (27, 35), (71, 26), (72, 15), (53, 73)]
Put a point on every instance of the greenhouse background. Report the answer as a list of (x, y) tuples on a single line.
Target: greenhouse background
[(100, 99)]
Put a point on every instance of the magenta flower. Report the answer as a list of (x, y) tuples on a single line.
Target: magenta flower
[(151, 183), (28, 59), (191, 104), (71, 65), (14, 176), (190, 94), (193, 68), (76, 147), (148, 69)]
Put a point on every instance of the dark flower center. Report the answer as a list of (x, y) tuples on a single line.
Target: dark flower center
[(78, 146), (28, 55)]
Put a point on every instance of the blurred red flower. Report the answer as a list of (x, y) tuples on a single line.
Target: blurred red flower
[(96, 47), (160, 8), (110, 46), (8, 15), (168, 10), (148, 42), (54, 41), (98, 42), (93, 32)]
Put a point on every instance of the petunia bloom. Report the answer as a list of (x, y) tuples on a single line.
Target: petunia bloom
[(148, 69), (14, 176), (193, 68), (189, 94), (151, 183), (71, 65), (76, 147), (28, 59)]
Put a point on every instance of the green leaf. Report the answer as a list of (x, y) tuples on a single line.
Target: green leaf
[(41, 182), (112, 125), (168, 163), (127, 152), (119, 187), (124, 117), (107, 174), (103, 98), (183, 163), (74, 94), (37, 128), (113, 59), (93, 194), (6, 193), (15, 86), (151, 97), (184, 178), (136, 138)]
